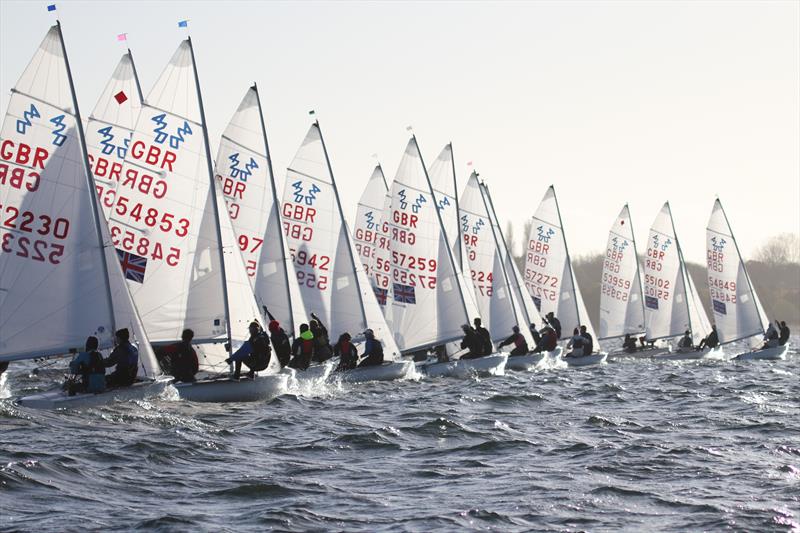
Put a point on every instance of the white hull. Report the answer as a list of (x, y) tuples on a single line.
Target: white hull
[(59, 399), (693, 355), (318, 372), (385, 372), (223, 390), (586, 360), (489, 365), (777, 353), (641, 354), (530, 361)]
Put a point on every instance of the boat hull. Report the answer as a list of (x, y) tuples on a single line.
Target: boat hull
[(777, 353), (225, 390), (385, 372), (643, 354), (489, 365), (586, 360), (59, 399), (318, 372), (713, 354), (531, 361)]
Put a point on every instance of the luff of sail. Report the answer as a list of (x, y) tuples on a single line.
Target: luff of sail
[(621, 305), (443, 181)]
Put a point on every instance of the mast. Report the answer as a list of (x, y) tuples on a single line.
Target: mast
[(458, 210), (136, 77), (441, 226), (213, 191), (569, 261), (344, 225), (275, 206), (636, 254), (684, 273), (482, 186), (89, 180)]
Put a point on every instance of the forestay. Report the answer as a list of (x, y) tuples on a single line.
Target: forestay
[(59, 277), (244, 174), (331, 283), (621, 305), (108, 135), (548, 270), (737, 313), (366, 233), (430, 305)]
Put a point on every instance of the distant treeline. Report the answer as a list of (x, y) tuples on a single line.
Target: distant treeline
[(775, 273)]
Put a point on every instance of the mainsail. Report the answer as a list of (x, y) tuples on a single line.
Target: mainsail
[(366, 233), (548, 269), (621, 304), (381, 265), (60, 279), (443, 180), (244, 173), (332, 285), (430, 303), (737, 312)]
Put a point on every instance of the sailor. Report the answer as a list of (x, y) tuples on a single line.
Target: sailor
[(125, 357), (588, 341), (711, 341), (471, 342), (549, 340), (302, 349), (344, 349), (180, 359), (575, 343), (89, 366), (771, 337), (255, 352), (485, 338), (554, 323), (686, 342), (373, 350), (518, 340), (280, 342), (629, 344), (322, 346), (535, 335), (782, 339)]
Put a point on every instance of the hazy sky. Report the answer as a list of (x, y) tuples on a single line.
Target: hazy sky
[(612, 102)]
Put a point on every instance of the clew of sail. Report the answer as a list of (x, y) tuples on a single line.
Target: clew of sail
[(621, 306)]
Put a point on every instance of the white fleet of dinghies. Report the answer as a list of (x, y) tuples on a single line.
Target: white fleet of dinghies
[(737, 310), (58, 250), (170, 242)]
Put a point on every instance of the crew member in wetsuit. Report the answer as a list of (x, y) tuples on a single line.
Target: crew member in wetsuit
[(554, 323), (686, 341), (782, 339), (346, 352), (711, 341), (180, 360), (89, 366), (255, 353), (302, 349), (471, 342), (373, 351), (575, 343), (549, 341), (518, 340), (280, 342), (588, 341), (483, 335), (771, 337), (125, 357), (322, 345), (535, 336), (629, 344)]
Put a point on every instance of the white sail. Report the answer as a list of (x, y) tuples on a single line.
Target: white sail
[(244, 173), (548, 270), (621, 306), (108, 136), (430, 304), (735, 305), (168, 235), (332, 282), (366, 233), (443, 181), (698, 319), (59, 277), (490, 283), (381, 265)]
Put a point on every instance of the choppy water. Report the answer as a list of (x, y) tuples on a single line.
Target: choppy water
[(636, 445)]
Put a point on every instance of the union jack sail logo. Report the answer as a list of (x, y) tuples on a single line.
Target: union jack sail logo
[(381, 294), (133, 266), (404, 293)]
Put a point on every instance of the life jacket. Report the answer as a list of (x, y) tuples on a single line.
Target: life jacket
[(519, 342), (261, 350), (307, 343)]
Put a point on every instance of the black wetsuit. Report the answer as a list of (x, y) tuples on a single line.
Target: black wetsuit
[(588, 343), (282, 346), (302, 352), (486, 340), (555, 323), (519, 342), (473, 343), (783, 339), (348, 356), (373, 353), (126, 358)]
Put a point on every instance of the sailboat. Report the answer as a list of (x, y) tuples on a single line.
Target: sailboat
[(183, 266), (738, 314), (550, 278), (56, 247), (672, 305), (526, 310), (332, 282), (431, 301)]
